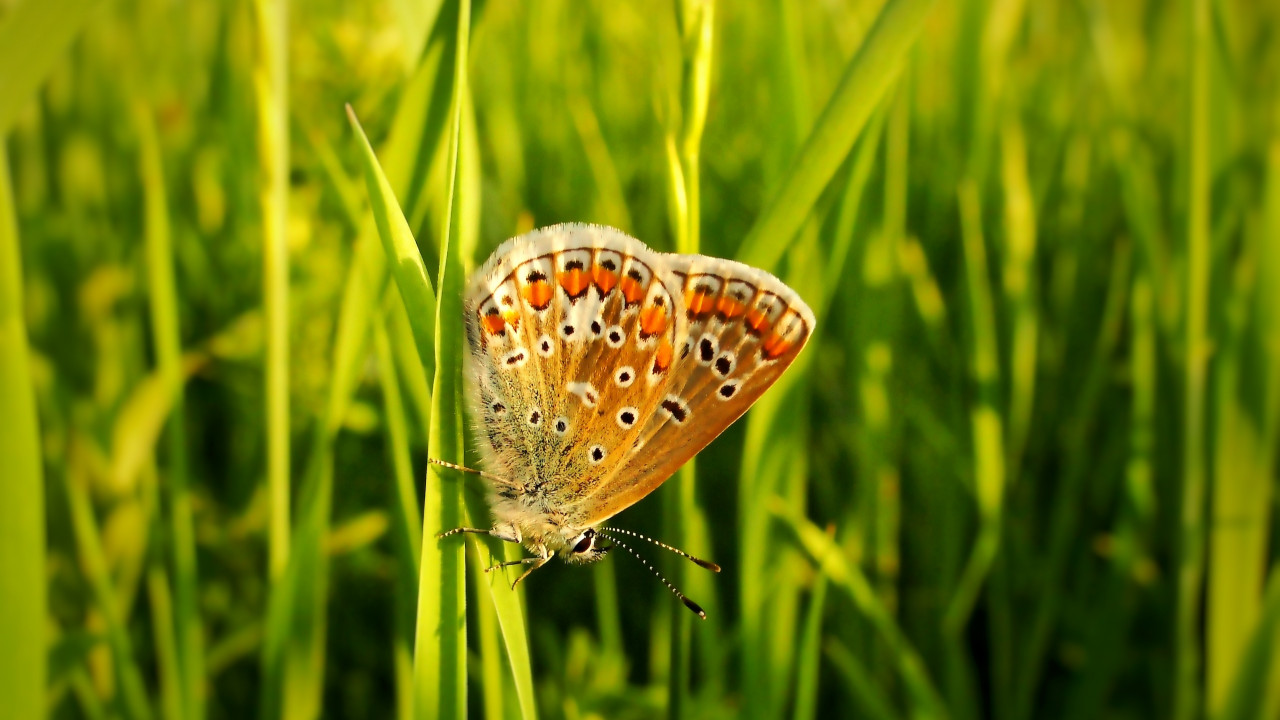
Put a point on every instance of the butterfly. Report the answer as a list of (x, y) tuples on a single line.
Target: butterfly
[(597, 367)]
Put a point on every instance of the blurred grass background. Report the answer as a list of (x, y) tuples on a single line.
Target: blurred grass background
[(1026, 468)]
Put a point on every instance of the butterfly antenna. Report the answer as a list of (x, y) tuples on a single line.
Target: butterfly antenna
[(473, 471), (687, 602), (696, 561)]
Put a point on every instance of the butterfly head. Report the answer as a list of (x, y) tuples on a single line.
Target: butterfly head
[(587, 547)]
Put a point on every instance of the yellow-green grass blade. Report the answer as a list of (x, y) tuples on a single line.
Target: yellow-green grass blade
[(166, 645), (294, 637), (162, 289), (131, 689), (1019, 289), (271, 85), (293, 647), (685, 522), (866, 78), (1190, 554), (1268, 319), (34, 36), (440, 647), (1239, 529), (1248, 695), (1247, 396), (23, 603)]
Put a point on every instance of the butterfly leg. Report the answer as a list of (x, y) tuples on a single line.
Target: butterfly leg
[(507, 533), (509, 563), (537, 563)]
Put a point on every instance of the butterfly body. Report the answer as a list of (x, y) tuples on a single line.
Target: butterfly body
[(597, 367)]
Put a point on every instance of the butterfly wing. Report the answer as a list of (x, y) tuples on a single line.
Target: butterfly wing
[(572, 331), (743, 327)]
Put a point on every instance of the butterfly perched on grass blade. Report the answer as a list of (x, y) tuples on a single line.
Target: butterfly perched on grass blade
[(597, 367)]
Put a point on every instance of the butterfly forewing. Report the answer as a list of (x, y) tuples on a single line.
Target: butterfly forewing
[(566, 327), (743, 328)]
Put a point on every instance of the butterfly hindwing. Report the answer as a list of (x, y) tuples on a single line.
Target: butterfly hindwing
[(743, 328)]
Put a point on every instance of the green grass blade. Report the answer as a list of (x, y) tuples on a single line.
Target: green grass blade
[(22, 526), (849, 577), (163, 293), (871, 700), (1188, 699), (33, 37), (400, 247), (866, 78), (986, 423), (440, 649), (809, 653), (408, 526), (440, 645)]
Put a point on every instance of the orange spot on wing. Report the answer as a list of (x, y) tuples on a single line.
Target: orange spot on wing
[(653, 320), (493, 323), (632, 290), (574, 281), (697, 303), (662, 358), (513, 319), (775, 346), (729, 308), (758, 322), (604, 279), (538, 293)]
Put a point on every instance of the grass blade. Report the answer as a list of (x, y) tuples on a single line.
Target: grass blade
[(866, 79), (168, 349), (1188, 700), (849, 577), (1248, 694), (271, 82), (985, 419), (22, 526)]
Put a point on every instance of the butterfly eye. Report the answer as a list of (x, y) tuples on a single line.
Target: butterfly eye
[(585, 543)]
